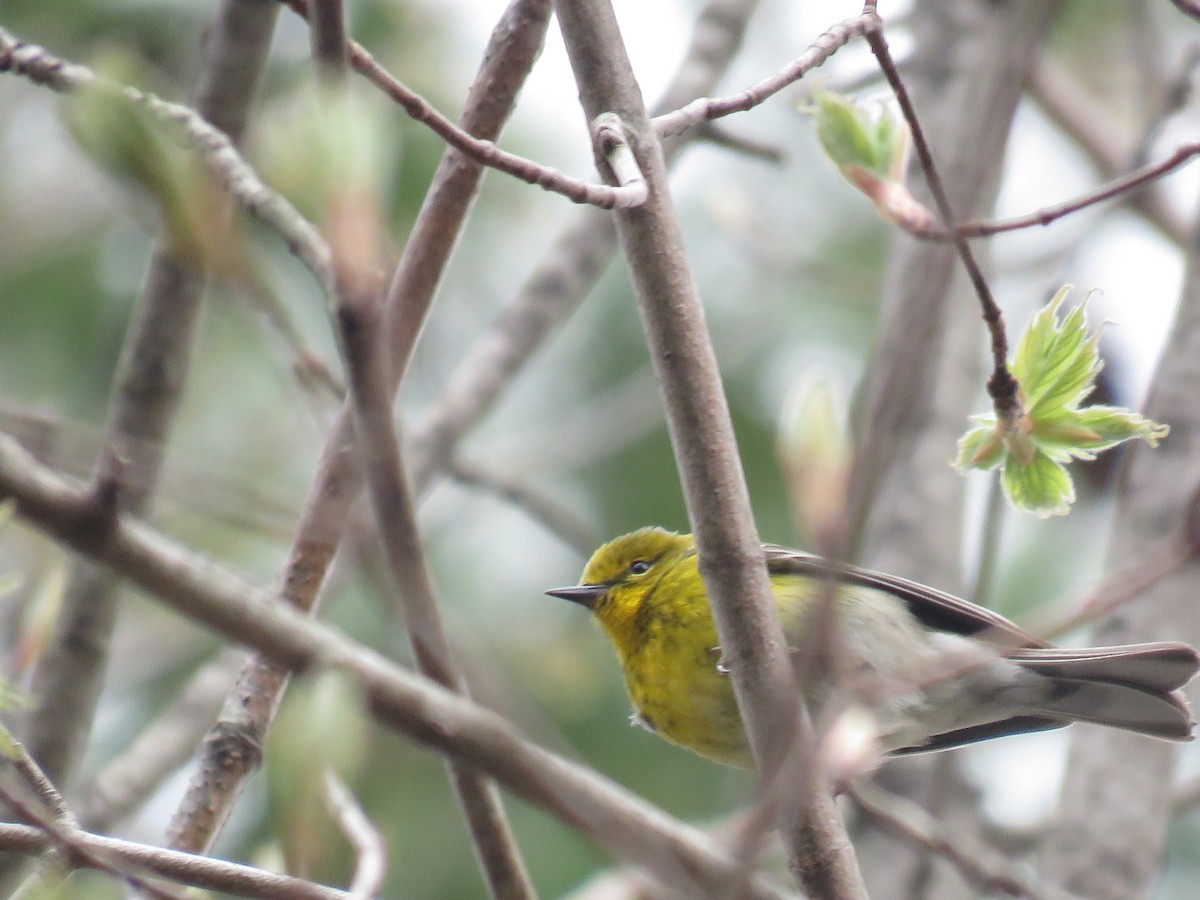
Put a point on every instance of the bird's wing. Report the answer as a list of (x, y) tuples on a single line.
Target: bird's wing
[(932, 608)]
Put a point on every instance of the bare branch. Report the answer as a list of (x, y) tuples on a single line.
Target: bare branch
[(1002, 386), (481, 150), (1126, 184), (705, 109), (396, 518), (184, 868)]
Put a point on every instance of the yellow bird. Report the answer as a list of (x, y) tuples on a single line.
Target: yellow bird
[(939, 671)]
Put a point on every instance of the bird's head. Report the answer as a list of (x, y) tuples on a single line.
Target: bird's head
[(620, 575)]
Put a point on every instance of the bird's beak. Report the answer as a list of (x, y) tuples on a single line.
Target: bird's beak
[(583, 594)]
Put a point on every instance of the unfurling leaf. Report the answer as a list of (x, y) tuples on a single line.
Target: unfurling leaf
[(1056, 364)]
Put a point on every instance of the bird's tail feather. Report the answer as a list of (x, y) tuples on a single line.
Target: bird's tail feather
[(1132, 687)]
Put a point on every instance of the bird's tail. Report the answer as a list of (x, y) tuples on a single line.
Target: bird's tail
[(1134, 687)]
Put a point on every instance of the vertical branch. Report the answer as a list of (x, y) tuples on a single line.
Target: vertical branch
[(327, 32), (705, 448), (233, 750), (395, 514), (149, 383)]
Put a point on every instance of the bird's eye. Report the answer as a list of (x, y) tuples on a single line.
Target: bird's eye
[(639, 567)]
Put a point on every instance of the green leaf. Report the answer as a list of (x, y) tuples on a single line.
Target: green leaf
[(1043, 487), (1055, 364), (980, 448), (855, 135)]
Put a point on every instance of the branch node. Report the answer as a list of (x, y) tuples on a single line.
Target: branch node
[(614, 153)]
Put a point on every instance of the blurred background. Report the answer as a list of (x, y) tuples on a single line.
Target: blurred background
[(789, 259)]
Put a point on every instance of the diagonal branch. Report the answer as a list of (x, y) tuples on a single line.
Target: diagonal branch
[(1002, 386), (706, 456), (705, 109), (482, 150), (396, 519), (614, 818)]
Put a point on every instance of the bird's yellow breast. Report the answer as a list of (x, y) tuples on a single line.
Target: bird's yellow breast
[(678, 688), (667, 643)]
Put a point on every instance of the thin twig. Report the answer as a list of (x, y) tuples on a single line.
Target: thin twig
[(1115, 188), (370, 849), (61, 829), (1002, 386), (184, 868), (980, 865), (705, 109), (483, 151)]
